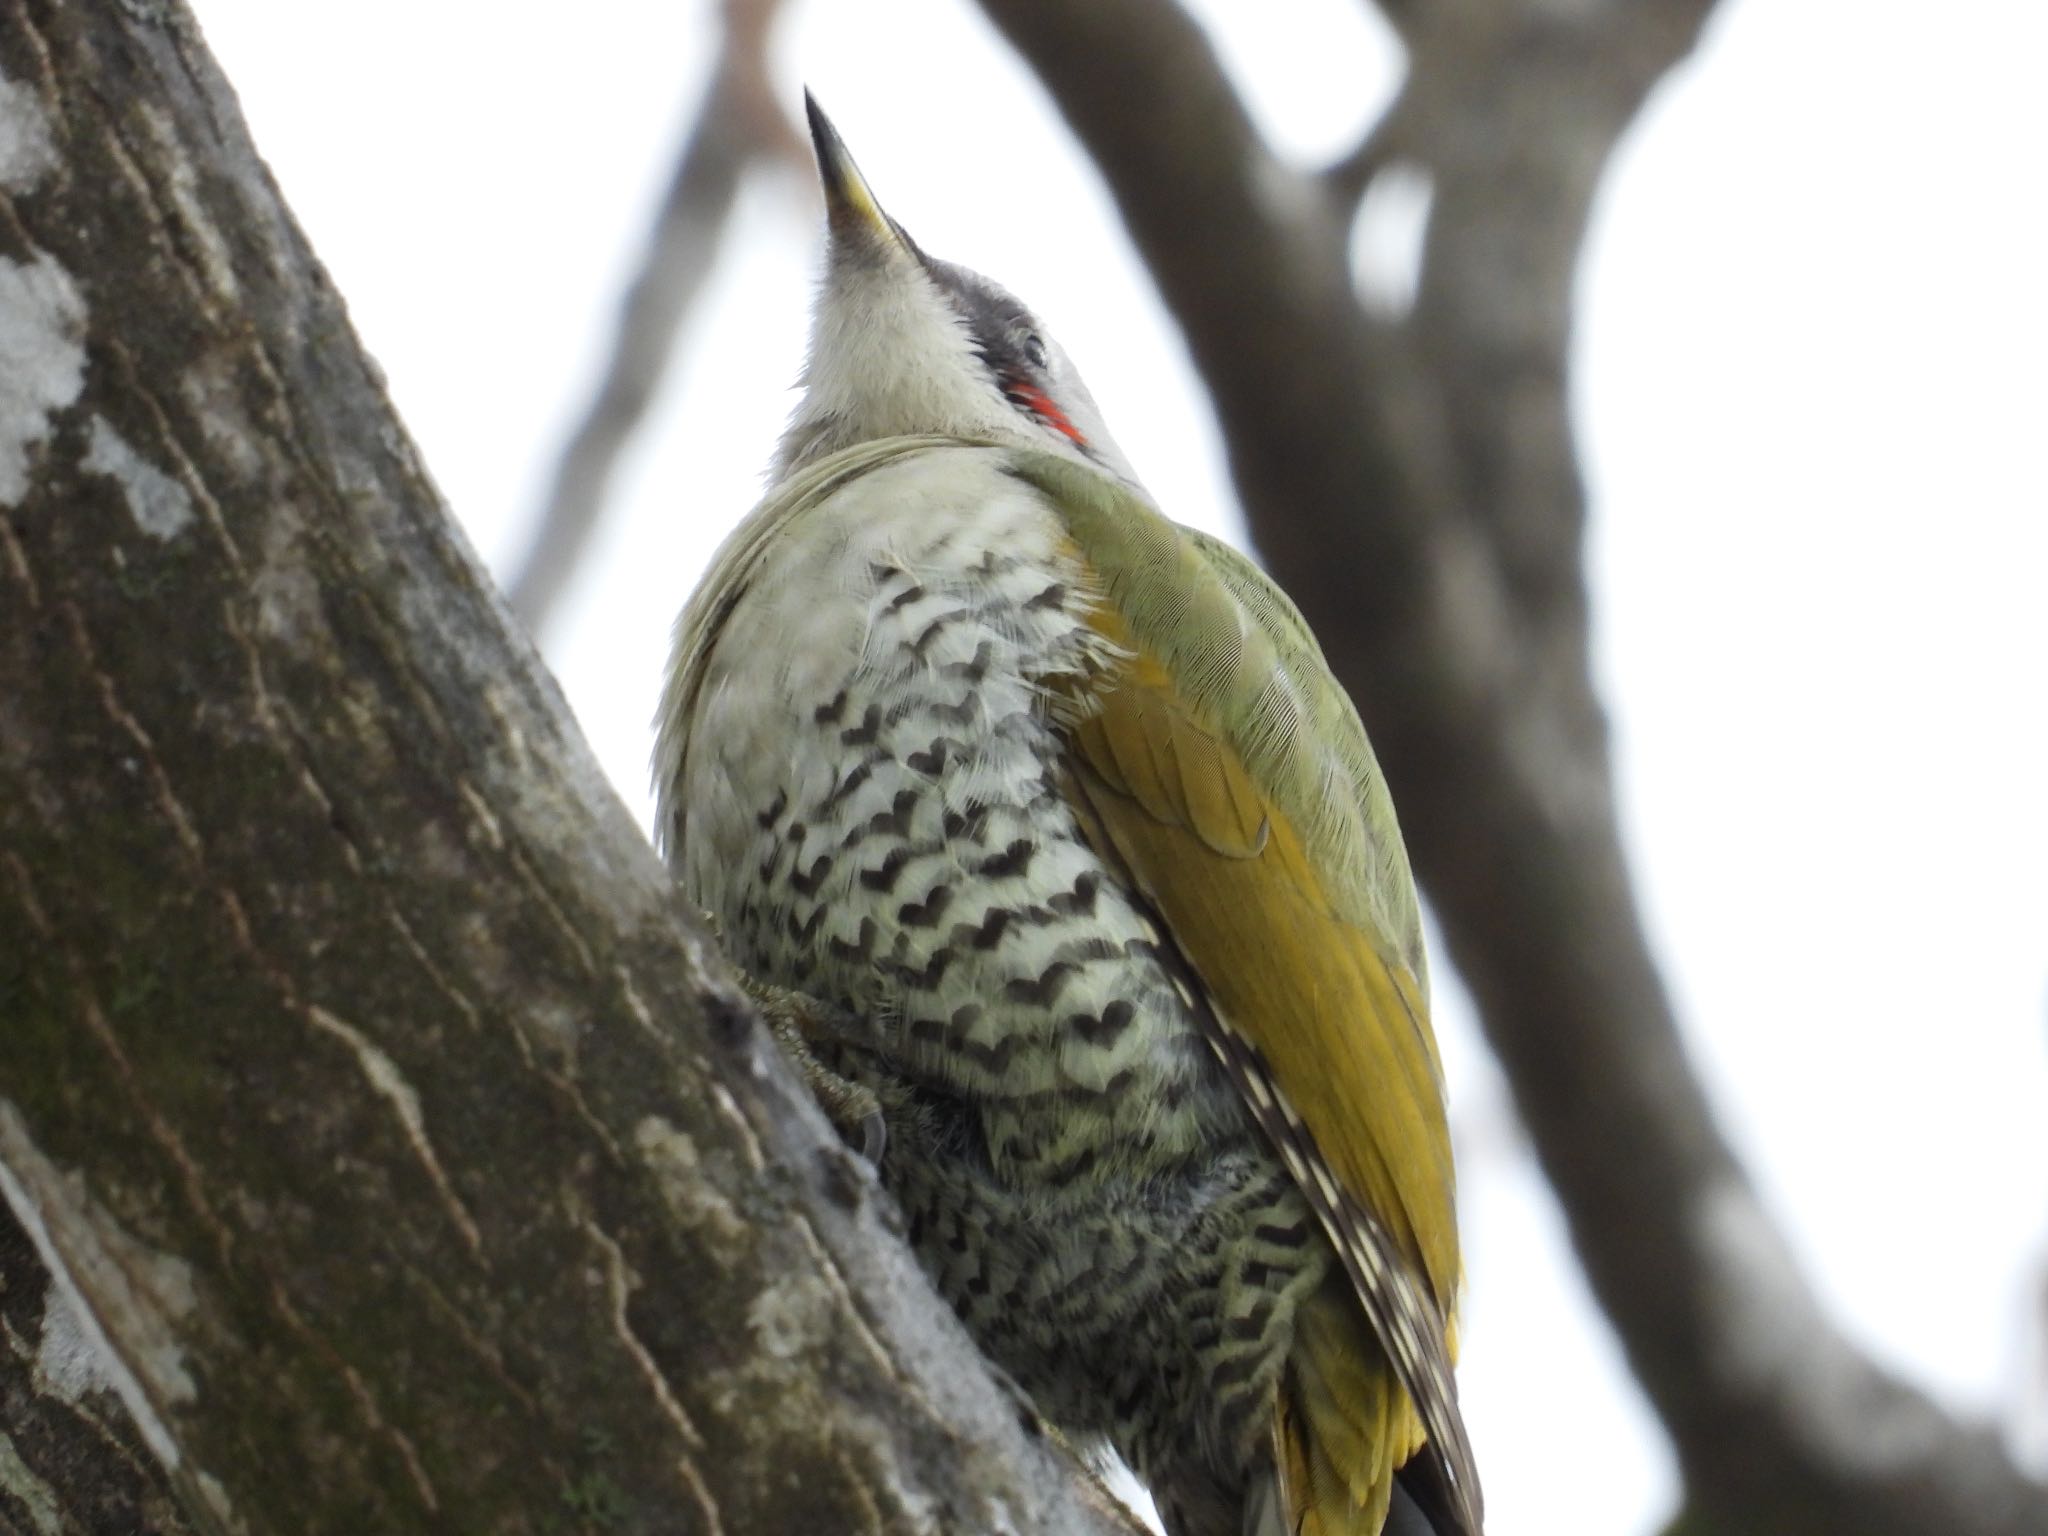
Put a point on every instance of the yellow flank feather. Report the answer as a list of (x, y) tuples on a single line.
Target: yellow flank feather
[(1345, 1424), (1246, 906), (1342, 1028), (1222, 768)]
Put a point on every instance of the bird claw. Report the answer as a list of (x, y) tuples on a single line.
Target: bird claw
[(852, 1108), (797, 1021), (874, 1136)]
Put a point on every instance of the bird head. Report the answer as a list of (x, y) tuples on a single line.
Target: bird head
[(902, 343)]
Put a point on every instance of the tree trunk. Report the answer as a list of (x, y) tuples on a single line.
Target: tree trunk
[(361, 1078)]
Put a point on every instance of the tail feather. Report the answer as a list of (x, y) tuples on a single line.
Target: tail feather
[(1406, 1517), (1344, 1424)]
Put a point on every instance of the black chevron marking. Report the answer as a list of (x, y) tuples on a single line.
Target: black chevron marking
[(1011, 862), (1294, 1236), (1079, 1166), (971, 671), (856, 776), (1080, 901), (926, 913), (897, 818), (986, 934), (933, 630), (905, 598), (864, 734), (857, 950), (1105, 1030), (1054, 596), (964, 711), (994, 563), (883, 877), (926, 979), (971, 825), (808, 882), (994, 1059), (1035, 916)]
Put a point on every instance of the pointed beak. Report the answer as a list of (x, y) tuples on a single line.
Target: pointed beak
[(854, 217)]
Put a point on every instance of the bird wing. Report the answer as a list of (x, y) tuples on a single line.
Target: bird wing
[(1229, 776)]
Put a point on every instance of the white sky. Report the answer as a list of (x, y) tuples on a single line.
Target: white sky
[(1810, 383)]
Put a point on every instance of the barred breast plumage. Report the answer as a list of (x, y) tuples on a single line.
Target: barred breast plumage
[(871, 805)]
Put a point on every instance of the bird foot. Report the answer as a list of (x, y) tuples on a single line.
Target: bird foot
[(852, 1107), (800, 1023)]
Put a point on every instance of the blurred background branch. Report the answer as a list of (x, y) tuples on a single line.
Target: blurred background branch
[(740, 125), (1414, 484)]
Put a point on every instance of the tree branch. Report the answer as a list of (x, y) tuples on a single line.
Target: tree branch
[(741, 123), (1344, 180), (422, 1167), (1415, 487)]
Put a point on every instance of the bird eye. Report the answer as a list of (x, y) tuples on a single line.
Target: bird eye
[(1034, 351)]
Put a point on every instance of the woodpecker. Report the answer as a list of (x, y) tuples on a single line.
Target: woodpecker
[(1056, 804)]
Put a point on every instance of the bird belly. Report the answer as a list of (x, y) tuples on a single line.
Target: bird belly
[(876, 808)]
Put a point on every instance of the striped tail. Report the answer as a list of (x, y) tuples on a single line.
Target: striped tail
[(1343, 1425)]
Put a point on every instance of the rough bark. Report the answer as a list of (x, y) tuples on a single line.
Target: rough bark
[(414, 1156), (71, 1460), (1412, 481)]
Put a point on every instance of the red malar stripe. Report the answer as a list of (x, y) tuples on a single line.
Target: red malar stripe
[(1039, 404)]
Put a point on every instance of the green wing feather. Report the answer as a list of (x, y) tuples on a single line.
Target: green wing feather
[(1230, 776)]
